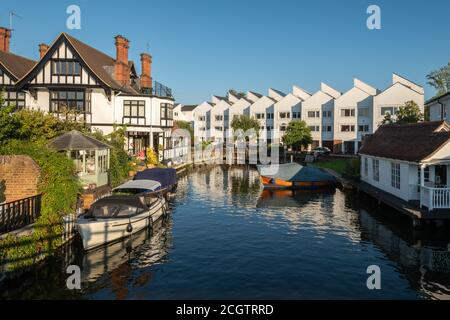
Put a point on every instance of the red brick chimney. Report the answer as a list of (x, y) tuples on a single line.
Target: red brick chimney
[(5, 36), (121, 67), (146, 75), (43, 48)]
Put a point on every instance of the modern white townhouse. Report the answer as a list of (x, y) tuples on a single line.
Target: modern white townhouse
[(337, 121), (202, 121), (103, 90), (285, 110), (390, 99), (318, 112), (439, 107), (220, 120), (240, 107), (353, 117), (263, 111)]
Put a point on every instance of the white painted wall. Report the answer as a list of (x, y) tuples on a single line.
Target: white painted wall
[(359, 98), (436, 110), (408, 176), (395, 96)]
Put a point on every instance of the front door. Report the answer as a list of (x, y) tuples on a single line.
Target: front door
[(441, 176)]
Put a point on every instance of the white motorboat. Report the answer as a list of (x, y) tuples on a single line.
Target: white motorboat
[(136, 206)]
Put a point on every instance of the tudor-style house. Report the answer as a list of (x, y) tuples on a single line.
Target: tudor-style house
[(410, 162), (103, 90)]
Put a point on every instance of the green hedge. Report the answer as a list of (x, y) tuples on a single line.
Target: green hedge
[(59, 187)]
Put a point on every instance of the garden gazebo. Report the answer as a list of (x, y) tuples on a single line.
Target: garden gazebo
[(91, 157)]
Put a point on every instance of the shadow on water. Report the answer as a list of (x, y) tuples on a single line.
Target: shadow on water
[(306, 235)]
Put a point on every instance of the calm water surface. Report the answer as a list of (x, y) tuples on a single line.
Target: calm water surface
[(226, 238)]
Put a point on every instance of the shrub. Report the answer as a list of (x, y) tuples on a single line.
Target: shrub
[(58, 185), (352, 168)]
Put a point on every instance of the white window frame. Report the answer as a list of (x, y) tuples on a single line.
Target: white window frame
[(395, 175), (376, 169)]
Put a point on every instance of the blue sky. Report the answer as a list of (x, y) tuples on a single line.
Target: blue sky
[(205, 47)]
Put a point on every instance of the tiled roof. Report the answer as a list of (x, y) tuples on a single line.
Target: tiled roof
[(18, 66), (100, 63), (188, 108), (408, 142)]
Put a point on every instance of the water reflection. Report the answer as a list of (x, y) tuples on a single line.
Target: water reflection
[(227, 237), (424, 261), (117, 265)]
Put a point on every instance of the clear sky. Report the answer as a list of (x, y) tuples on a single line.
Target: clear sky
[(205, 47)]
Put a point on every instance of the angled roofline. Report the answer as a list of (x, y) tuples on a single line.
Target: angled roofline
[(10, 73), (398, 75), (447, 94), (27, 77), (400, 84)]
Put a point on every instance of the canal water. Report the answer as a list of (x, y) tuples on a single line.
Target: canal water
[(226, 238)]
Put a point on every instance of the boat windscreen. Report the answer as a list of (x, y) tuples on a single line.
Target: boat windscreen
[(115, 208)]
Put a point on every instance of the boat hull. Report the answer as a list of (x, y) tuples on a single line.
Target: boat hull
[(95, 233), (269, 182)]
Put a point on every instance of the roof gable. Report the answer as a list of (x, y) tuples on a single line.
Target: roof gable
[(408, 142), (99, 65), (16, 66)]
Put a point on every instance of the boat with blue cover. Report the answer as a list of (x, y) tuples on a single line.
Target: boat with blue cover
[(294, 176), (167, 177)]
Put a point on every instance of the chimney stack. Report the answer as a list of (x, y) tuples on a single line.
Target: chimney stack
[(121, 67), (43, 48), (146, 75), (5, 36)]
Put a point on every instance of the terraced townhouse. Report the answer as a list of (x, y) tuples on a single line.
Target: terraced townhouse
[(103, 90), (338, 121)]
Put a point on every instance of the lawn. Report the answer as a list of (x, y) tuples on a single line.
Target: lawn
[(337, 165)]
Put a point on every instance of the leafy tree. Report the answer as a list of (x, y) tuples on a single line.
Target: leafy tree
[(245, 123), (440, 79), (387, 119), (120, 163), (8, 122), (236, 94), (186, 125), (38, 125), (297, 134), (408, 113)]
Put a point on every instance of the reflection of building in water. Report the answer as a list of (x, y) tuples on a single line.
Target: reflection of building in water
[(325, 209), (427, 267), (119, 262)]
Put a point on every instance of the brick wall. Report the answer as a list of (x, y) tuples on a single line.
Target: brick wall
[(21, 175)]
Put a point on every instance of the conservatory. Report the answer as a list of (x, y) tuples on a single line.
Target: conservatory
[(91, 157)]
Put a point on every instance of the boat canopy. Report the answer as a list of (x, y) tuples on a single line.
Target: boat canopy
[(117, 207), (294, 172), (139, 185), (166, 176)]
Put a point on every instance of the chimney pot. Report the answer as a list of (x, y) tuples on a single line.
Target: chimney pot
[(43, 48), (5, 36), (121, 68), (146, 75)]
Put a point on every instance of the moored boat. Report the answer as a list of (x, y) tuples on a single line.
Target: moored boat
[(121, 215), (167, 177), (294, 176)]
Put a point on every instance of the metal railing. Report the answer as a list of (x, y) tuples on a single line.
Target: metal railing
[(161, 90), (20, 213), (435, 198)]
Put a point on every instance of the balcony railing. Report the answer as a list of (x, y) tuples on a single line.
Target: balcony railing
[(161, 90), (435, 198), (18, 214)]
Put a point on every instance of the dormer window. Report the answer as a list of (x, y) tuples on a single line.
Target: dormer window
[(66, 68)]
